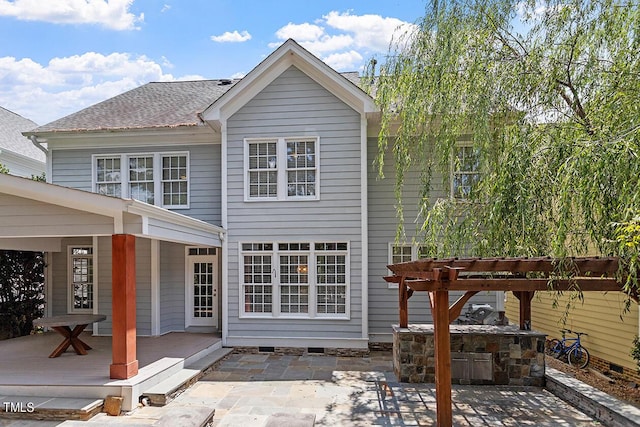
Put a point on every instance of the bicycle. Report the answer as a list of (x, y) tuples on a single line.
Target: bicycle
[(571, 348)]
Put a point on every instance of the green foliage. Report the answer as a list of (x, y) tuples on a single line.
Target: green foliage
[(635, 351), (549, 93), (21, 291), (21, 287)]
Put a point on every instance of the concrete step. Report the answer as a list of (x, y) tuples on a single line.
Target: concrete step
[(163, 392), (48, 408), (186, 416)]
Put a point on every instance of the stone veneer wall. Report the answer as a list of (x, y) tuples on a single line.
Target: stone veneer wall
[(517, 356)]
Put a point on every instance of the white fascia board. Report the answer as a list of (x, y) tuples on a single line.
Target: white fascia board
[(288, 54), (170, 233), (126, 138), (167, 225), (61, 196)]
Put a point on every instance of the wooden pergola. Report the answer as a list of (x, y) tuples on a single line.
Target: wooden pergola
[(522, 276)]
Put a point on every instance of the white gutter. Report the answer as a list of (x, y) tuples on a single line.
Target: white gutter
[(34, 140)]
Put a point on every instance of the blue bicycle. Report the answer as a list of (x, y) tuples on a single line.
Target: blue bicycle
[(571, 348)]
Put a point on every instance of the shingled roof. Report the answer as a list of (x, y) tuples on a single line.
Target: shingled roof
[(153, 105), (11, 138)]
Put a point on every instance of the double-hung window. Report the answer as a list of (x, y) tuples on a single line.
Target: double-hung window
[(299, 279), (80, 279), (108, 176), (141, 182), (281, 169), (465, 170), (404, 253), (155, 178), (175, 184)]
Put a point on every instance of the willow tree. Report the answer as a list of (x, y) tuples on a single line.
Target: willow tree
[(548, 94)]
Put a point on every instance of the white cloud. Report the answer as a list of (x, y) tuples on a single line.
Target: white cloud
[(232, 37), (300, 32), (238, 75), (45, 92), (369, 31), (344, 60), (113, 14), (343, 40), (165, 8)]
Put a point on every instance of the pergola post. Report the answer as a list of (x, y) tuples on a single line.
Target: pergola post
[(403, 299), (525, 298), (125, 363), (442, 340)]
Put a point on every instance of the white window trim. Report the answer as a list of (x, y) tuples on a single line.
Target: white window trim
[(452, 171), (281, 168), (157, 174), (313, 285), (70, 293), (415, 249)]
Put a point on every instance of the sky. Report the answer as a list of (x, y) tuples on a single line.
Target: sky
[(60, 56)]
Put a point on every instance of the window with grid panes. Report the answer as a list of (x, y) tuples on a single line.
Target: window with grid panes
[(281, 169), (174, 180), (81, 278), (108, 176), (465, 171), (294, 278), (141, 185), (263, 174), (155, 178), (301, 270), (331, 277), (301, 168), (257, 283)]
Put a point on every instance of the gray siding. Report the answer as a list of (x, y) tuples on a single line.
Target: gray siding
[(72, 168), (295, 105), (383, 301), (172, 287), (143, 285)]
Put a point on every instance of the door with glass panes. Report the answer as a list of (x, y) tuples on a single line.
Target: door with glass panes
[(202, 287)]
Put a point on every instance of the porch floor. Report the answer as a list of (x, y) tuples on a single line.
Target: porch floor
[(26, 362)]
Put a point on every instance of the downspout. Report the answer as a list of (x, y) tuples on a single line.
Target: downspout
[(48, 163), (34, 140)]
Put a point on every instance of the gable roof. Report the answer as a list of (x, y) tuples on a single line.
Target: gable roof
[(290, 53), (11, 139), (189, 103), (153, 105)]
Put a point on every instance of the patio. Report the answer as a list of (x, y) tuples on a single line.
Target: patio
[(28, 371)]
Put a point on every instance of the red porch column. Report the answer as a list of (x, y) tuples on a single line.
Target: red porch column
[(125, 363)]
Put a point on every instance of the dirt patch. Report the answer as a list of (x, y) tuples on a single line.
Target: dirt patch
[(617, 386)]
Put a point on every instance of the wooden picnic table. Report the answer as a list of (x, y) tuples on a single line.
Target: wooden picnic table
[(63, 325)]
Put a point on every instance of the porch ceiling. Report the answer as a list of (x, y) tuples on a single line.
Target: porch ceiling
[(36, 215)]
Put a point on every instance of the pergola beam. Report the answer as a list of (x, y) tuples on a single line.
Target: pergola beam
[(515, 284), (596, 266)]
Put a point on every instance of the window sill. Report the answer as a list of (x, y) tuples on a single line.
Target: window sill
[(289, 317)]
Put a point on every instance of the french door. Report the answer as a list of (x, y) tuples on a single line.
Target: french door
[(202, 290)]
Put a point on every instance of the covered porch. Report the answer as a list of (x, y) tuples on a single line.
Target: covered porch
[(26, 369), (37, 216)]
